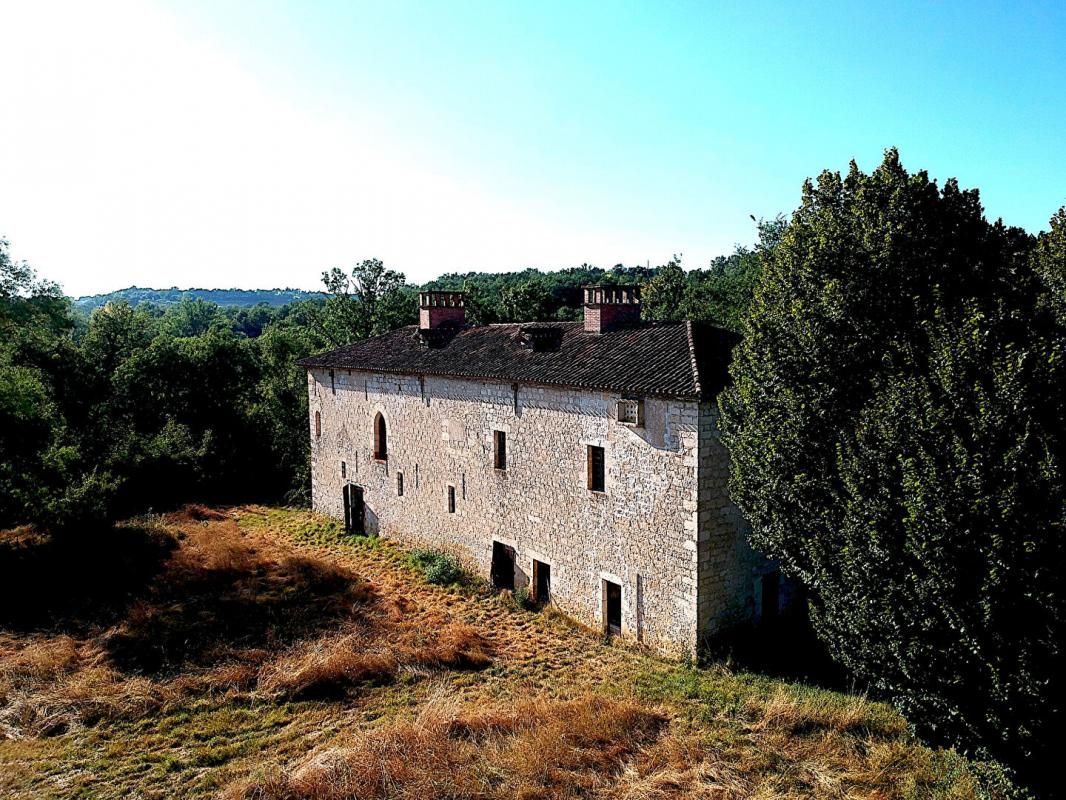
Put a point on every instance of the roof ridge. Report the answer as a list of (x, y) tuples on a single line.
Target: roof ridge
[(692, 357), (655, 358)]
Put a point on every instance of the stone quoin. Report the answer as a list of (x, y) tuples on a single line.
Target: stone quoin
[(581, 460)]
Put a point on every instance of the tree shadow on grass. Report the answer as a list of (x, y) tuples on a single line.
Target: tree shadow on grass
[(786, 648), (202, 615), (81, 579), (163, 600)]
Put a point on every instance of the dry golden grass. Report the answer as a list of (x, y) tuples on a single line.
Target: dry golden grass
[(257, 653), (537, 749)]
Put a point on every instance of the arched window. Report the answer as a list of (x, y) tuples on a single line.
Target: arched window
[(318, 424), (381, 438)]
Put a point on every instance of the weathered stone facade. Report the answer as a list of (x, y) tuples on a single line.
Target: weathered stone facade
[(663, 528)]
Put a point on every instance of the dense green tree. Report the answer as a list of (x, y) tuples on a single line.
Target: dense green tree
[(1049, 261), (663, 297), (191, 316), (896, 436), (362, 304), (530, 301)]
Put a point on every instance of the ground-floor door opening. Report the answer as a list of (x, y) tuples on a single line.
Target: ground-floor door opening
[(542, 579), (354, 509), (502, 566), (612, 603)]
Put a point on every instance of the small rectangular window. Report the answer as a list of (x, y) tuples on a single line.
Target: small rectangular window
[(595, 468), (344, 470), (332, 382), (451, 499), (399, 484), (631, 412), (499, 458)]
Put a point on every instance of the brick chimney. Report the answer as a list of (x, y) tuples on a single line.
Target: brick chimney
[(441, 310), (610, 307)]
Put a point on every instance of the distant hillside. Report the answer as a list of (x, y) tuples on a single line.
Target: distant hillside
[(224, 297)]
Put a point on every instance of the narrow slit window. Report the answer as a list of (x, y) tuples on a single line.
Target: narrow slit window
[(381, 438), (451, 499), (318, 424), (344, 470), (499, 449), (399, 484), (595, 468), (332, 382)]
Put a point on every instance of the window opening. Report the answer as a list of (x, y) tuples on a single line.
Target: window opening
[(595, 468), (499, 457), (381, 438)]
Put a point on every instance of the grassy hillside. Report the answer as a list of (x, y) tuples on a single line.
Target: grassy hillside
[(224, 297), (258, 653)]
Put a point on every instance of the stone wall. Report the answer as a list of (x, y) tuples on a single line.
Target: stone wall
[(729, 570), (640, 533)]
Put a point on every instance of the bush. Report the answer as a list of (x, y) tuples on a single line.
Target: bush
[(523, 599), (442, 569)]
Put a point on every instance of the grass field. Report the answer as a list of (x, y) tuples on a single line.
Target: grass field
[(258, 653)]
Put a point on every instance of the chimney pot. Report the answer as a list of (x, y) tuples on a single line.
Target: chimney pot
[(441, 310), (611, 307)]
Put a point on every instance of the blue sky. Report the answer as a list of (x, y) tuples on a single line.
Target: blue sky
[(257, 144)]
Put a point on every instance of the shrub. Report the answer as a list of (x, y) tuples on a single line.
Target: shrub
[(442, 569), (523, 599)]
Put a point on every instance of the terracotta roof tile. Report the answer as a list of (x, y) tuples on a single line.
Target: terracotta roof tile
[(660, 358)]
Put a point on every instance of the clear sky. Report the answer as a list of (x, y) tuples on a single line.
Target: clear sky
[(254, 144)]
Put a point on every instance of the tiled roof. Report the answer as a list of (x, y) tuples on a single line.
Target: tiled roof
[(674, 359)]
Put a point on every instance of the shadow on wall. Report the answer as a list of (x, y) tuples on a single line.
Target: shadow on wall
[(371, 522), (653, 430)]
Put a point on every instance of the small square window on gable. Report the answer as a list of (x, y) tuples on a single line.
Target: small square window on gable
[(631, 412), (499, 449)]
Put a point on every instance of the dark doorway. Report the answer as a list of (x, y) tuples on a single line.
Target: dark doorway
[(354, 509), (502, 566), (771, 593), (612, 600), (542, 579)]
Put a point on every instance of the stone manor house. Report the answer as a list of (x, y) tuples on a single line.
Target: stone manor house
[(580, 460)]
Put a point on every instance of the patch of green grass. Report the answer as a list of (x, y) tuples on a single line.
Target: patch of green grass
[(439, 568), (305, 527)]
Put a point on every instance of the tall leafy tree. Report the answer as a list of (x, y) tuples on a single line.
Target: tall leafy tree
[(895, 427), (530, 301), (361, 304), (663, 297)]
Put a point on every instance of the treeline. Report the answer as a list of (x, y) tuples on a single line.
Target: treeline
[(138, 405), (223, 297), (718, 294)]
